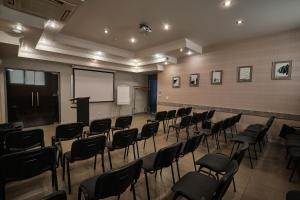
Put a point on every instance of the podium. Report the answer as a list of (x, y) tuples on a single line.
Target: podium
[(83, 109)]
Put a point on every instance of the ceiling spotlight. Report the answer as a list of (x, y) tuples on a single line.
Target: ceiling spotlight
[(51, 24), (158, 55), (166, 27), (132, 40), (227, 3), (106, 31), (189, 52), (166, 63), (181, 49), (18, 28), (240, 22), (99, 53)]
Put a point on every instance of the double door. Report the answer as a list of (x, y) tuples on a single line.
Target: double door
[(32, 97)]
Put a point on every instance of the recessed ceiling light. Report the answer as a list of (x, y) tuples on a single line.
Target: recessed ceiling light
[(82, 0), (166, 27), (189, 52), (18, 28), (158, 55), (240, 22), (106, 31), (99, 53), (166, 63), (181, 49), (132, 40), (51, 24), (227, 3)]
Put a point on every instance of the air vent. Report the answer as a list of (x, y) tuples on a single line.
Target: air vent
[(60, 10)]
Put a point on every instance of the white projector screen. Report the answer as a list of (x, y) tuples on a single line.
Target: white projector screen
[(98, 85)]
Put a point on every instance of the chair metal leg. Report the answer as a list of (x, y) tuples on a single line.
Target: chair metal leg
[(102, 160), (225, 137), (137, 149), (255, 152), (207, 144), (63, 168), (232, 149), (79, 193), (194, 162), (294, 170), (154, 143), (147, 186), (168, 133), (234, 187), (133, 149), (133, 191), (173, 177), (177, 134), (95, 162), (178, 172), (164, 126), (69, 177), (54, 179), (250, 158), (144, 143), (109, 158), (125, 153)]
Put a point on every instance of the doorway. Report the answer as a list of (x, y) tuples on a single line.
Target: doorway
[(152, 85), (32, 97)]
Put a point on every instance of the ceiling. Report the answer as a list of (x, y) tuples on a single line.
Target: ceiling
[(205, 22)]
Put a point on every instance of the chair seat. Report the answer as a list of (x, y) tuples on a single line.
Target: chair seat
[(88, 186), (148, 162), (196, 186), (249, 134), (255, 127), (293, 195), (215, 162), (294, 152), (244, 138)]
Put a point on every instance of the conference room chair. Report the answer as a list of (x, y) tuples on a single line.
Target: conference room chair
[(111, 183), (189, 146), (7, 128), (148, 131), (293, 195), (159, 160), (27, 164), (58, 195), (227, 125), (100, 126), (188, 110), (237, 119), (65, 132), (122, 140), (218, 162), (83, 149), (196, 119), (210, 115), (24, 140), (294, 154), (197, 186), (214, 132), (160, 117), (123, 122), (171, 115), (184, 124), (179, 114)]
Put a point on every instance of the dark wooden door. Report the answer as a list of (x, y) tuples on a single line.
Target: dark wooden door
[(32, 97)]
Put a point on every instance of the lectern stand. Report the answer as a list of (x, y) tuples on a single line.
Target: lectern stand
[(83, 109)]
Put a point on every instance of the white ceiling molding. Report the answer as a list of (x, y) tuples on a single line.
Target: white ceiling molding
[(193, 46), (8, 39)]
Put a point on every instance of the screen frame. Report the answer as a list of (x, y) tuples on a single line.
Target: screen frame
[(93, 70)]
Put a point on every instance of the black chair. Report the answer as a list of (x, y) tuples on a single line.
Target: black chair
[(100, 126), (24, 140), (179, 114), (7, 128), (227, 125), (214, 132), (26, 164), (188, 110), (123, 122), (184, 124), (236, 120), (294, 154), (148, 131), (196, 119), (66, 132), (122, 140), (210, 115), (218, 162), (157, 161), (197, 186), (160, 117), (189, 146), (112, 183), (171, 115), (293, 195), (58, 195), (84, 149)]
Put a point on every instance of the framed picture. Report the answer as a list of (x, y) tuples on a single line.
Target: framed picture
[(216, 77), (282, 70), (176, 82), (194, 80), (244, 74)]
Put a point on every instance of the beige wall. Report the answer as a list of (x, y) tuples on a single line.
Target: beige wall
[(97, 110), (262, 94)]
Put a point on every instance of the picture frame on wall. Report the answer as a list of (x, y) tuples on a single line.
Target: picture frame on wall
[(194, 80), (176, 81), (282, 70), (244, 73), (216, 77)]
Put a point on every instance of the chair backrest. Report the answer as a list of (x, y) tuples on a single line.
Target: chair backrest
[(27, 164), (100, 126), (270, 122), (123, 122), (58, 195), (238, 117), (226, 180), (17, 125), (196, 118), (188, 110), (210, 114), (216, 127), (149, 130), (226, 123), (185, 121), (161, 116), (166, 156), (180, 112), (191, 144), (171, 114), (24, 140), (240, 153), (114, 183), (286, 130), (124, 138), (69, 131), (88, 147)]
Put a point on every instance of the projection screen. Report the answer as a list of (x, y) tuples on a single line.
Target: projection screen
[(98, 85)]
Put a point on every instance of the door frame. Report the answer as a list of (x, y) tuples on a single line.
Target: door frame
[(16, 68)]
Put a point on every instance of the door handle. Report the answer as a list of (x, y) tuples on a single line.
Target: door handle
[(32, 99), (37, 99)]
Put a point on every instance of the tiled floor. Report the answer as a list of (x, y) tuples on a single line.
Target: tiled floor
[(268, 180)]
